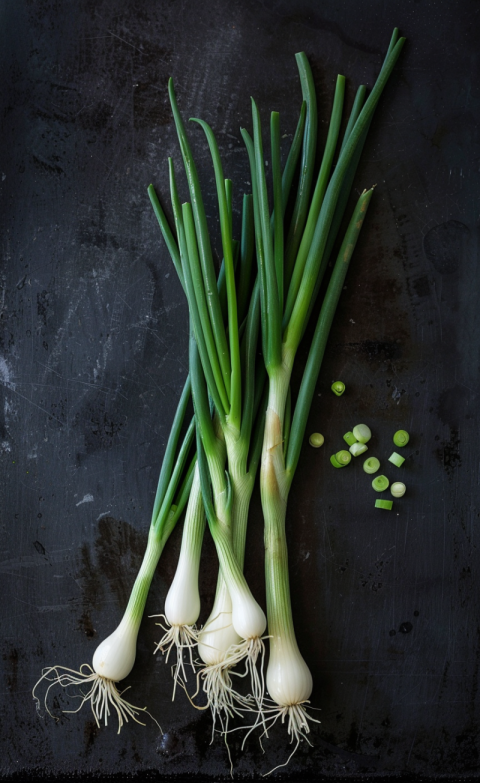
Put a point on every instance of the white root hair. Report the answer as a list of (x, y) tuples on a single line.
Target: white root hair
[(103, 695), (183, 637)]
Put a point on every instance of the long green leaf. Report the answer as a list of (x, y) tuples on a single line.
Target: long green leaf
[(318, 196), (234, 415), (293, 156), (203, 239), (195, 318), (171, 450), (294, 328), (277, 203), (322, 331), (200, 298), (201, 405), (167, 233), (300, 209), (247, 249), (274, 353), (258, 241), (176, 475), (249, 353)]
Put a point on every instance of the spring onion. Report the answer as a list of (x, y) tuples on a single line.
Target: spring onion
[(338, 388), (114, 658), (289, 681), (362, 433), (371, 465), (182, 604), (316, 440), (398, 489), (350, 438), (396, 459), (387, 504), (380, 483), (401, 438), (358, 448)]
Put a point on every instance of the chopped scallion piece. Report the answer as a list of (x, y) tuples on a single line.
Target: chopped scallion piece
[(380, 483), (316, 440), (350, 438), (396, 459), (398, 489), (362, 433), (340, 459), (371, 465), (384, 504), (401, 438), (358, 448), (338, 388)]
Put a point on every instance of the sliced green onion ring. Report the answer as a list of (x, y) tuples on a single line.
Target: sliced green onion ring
[(396, 459), (371, 465), (380, 483), (362, 433), (350, 438), (398, 489), (316, 440), (401, 438), (358, 448), (338, 388)]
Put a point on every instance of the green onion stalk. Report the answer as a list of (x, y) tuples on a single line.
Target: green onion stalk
[(114, 658), (182, 604), (286, 301)]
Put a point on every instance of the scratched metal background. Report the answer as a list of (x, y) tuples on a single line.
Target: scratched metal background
[(94, 354)]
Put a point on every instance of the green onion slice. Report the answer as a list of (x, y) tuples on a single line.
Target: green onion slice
[(350, 438), (396, 459), (401, 438), (338, 388), (380, 483), (362, 433), (387, 504), (358, 448), (398, 489), (316, 440), (371, 465)]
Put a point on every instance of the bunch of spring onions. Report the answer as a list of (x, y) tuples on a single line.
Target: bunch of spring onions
[(245, 329), (291, 265)]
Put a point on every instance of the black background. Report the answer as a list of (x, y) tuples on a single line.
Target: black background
[(94, 355)]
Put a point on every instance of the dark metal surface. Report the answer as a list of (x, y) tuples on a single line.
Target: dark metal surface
[(94, 354)]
